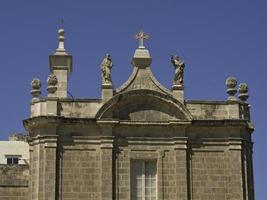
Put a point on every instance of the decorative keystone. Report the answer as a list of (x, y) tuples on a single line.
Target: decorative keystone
[(36, 89), (52, 81), (231, 84), (243, 92)]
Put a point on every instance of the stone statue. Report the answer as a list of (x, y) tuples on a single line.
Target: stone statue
[(106, 66), (179, 70)]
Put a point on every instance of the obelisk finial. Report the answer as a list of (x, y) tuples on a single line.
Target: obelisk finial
[(61, 39), (141, 36)]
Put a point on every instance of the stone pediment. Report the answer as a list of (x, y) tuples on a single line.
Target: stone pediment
[(143, 105), (142, 98), (142, 78)]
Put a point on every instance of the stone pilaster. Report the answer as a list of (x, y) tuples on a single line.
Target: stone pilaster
[(247, 170), (160, 167), (106, 155), (50, 162), (181, 170), (31, 170), (235, 171), (36, 169)]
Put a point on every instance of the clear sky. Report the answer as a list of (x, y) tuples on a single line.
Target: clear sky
[(216, 39)]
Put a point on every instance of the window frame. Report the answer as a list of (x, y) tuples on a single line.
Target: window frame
[(13, 158), (143, 170)]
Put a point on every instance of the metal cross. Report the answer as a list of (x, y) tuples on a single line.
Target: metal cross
[(141, 36), (62, 23)]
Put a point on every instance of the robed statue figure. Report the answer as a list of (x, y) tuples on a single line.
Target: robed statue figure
[(179, 70), (106, 66)]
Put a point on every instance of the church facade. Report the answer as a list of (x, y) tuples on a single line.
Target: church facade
[(140, 141)]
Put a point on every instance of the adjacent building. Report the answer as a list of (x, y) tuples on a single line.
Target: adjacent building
[(15, 150), (14, 168)]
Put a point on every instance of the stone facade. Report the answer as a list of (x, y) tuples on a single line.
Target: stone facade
[(84, 148), (14, 182)]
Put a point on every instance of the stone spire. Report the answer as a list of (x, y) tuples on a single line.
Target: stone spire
[(141, 56), (61, 66)]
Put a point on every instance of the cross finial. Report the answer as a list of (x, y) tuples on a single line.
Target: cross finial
[(62, 23), (141, 36)]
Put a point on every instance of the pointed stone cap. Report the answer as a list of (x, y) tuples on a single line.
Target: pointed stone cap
[(61, 60), (141, 56), (142, 77)]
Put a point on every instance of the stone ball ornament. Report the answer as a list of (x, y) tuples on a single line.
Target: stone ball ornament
[(36, 84), (243, 92), (231, 83), (243, 88), (52, 81), (36, 89)]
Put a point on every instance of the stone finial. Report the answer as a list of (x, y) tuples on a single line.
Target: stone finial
[(36, 89), (106, 66), (179, 70), (243, 92), (52, 81), (141, 58), (61, 39), (61, 66), (231, 84)]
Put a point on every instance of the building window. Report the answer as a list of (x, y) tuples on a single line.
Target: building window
[(12, 160), (143, 180)]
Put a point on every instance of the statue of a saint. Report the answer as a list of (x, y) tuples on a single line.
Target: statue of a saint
[(179, 70), (106, 66)]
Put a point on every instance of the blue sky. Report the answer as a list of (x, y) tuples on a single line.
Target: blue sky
[(216, 39)]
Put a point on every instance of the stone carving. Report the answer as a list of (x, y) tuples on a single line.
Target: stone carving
[(52, 81), (243, 92), (106, 66), (231, 84), (179, 70), (36, 89)]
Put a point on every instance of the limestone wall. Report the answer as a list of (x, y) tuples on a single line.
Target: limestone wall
[(216, 175), (14, 182), (80, 174)]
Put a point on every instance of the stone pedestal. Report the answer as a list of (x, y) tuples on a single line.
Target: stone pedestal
[(51, 106), (107, 92), (178, 92)]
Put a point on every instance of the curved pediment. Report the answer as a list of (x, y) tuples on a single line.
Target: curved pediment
[(144, 105)]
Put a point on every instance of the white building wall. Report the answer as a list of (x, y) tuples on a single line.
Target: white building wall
[(14, 148)]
